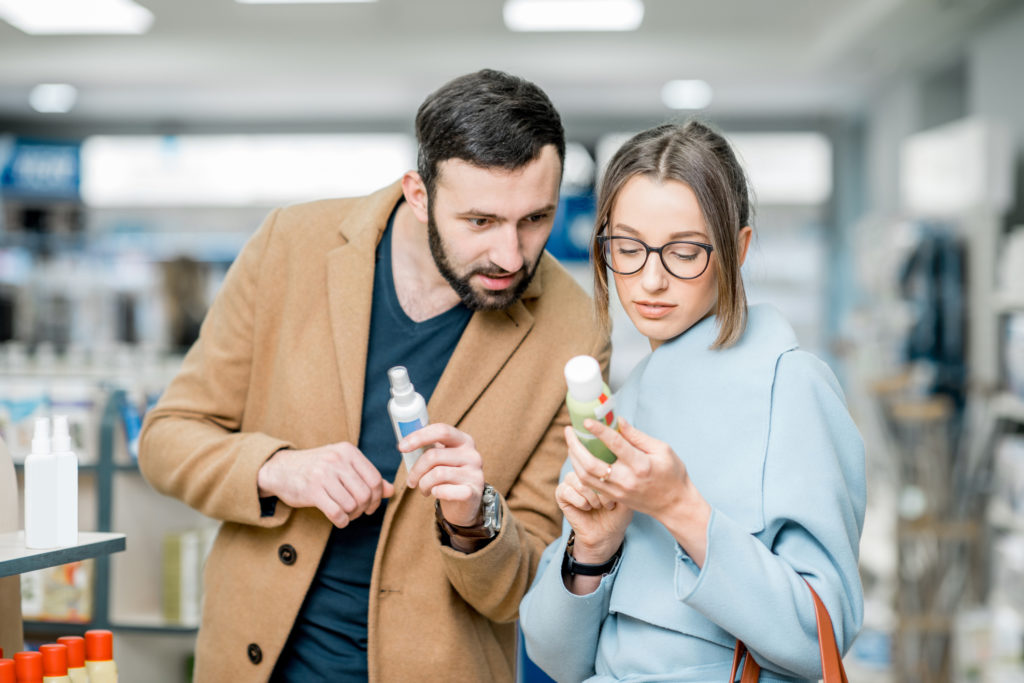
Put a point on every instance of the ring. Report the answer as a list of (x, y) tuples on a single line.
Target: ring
[(607, 473)]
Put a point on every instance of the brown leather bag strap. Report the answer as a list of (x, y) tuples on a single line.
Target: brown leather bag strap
[(831, 660)]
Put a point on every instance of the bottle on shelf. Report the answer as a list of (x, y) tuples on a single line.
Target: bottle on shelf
[(7, 670), (28, 667), (99, 656), (589, 397), (66, 483), (55, 663), (76, 658), (40, 493)]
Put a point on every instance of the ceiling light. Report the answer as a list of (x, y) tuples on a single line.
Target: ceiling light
[(687, 94), (53, 98), (40, 17), (298, 2), (573, 15)]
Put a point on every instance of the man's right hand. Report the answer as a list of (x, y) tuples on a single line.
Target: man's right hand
[(336, 478)]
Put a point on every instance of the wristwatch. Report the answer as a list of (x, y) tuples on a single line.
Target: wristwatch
[(479, 534), (570, 566)]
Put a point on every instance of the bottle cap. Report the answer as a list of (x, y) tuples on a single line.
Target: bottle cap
[(401, 387), (76, 650), (55, 659), (41, 439), (7, 671), (583, 376), (28, 667), (99, 645), (61, 434)]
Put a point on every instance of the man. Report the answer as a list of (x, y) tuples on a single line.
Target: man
[(327, 566)]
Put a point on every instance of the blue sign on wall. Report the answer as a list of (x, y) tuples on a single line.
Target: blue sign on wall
[(39, 169), (574, 223)]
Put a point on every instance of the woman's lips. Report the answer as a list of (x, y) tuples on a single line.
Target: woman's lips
[(652, 310)]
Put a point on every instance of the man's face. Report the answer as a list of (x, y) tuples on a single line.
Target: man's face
[(488, 226)]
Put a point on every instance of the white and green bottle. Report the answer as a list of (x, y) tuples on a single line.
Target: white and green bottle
[(407, 409), (589, 397)]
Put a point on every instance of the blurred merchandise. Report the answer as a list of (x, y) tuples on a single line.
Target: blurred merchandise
[(184, 555), (1013, 353), (62, 593), (1011, 262)]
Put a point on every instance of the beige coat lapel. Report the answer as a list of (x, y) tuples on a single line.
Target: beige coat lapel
[(350, 270)]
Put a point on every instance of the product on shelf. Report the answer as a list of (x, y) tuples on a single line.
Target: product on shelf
[(55, 663), (28, 667), (62, 593), (7, 671), (99, 656), (76, 658), (41, 490)]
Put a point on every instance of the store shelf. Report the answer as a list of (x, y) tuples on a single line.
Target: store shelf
[(1008, 302), (1008, 406), (15, 558), (149, 623)]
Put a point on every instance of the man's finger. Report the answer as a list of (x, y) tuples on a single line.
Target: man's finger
[(435, 432)]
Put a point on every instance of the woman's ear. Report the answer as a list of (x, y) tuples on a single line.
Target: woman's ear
[(415, 195), (746, 232)]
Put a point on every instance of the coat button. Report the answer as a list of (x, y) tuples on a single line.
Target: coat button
[(287, 553), (255, 653)]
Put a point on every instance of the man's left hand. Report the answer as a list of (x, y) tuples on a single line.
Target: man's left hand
[(450, 469)]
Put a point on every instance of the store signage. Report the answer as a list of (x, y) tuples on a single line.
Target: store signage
[(31, 168)]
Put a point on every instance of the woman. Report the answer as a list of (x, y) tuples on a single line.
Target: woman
[(739, 473)]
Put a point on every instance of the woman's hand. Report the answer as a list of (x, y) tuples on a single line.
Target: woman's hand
[(647, 477)]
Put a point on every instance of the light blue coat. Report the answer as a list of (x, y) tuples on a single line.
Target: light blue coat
[(765, 434)]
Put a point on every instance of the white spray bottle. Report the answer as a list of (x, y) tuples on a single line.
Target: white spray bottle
[(407, 409), (67, 483), (40, 490)]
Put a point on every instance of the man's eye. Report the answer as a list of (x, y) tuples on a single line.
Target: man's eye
[(537, 218), (479, 222)]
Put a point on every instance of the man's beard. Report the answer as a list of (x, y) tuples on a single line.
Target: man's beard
[(473, 299)]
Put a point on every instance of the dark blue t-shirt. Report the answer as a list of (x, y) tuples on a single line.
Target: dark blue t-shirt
[(328, 640)]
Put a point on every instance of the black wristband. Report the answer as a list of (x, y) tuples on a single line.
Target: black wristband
[(570, 566)]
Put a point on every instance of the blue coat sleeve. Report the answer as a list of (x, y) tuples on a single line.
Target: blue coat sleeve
[(752, 585)]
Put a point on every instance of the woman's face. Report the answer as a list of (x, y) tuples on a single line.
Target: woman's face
[(660, 305)]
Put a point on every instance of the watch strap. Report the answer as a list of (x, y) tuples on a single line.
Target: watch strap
[(479, 534), (570, 566)]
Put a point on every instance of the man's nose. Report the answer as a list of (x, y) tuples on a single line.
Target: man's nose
[(507, 252)]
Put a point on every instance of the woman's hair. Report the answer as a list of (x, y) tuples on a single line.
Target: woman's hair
[(490, 119), (694, 154)]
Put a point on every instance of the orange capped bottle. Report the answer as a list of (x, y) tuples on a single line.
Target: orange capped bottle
[(7, 670), (99, 656), (76, 658), (55, 663), (28, 667)]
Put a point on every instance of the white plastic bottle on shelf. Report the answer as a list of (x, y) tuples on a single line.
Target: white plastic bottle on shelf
[(407, 409), (67, 483), (40, 490)]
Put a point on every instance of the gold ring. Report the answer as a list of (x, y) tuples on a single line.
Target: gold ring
[(607, 473)]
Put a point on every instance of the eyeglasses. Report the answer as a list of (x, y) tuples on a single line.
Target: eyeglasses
[(628, 255)]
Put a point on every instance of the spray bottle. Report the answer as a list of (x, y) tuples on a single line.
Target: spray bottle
[(589, 397), (67, 483), (40, 490), (407, 409)]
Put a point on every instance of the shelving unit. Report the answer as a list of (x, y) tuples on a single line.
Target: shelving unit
[(15, 558)]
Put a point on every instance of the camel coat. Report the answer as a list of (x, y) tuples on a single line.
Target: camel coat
[(280, 363)]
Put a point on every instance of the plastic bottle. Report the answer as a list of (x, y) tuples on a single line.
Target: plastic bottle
[(40, 490), (99, 656), (76, 658), (67, 483), (28, 667), (589, 397), (55, 663), (407, 409), (7, 670)]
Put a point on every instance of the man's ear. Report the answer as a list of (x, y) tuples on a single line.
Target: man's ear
[(415, 195), (746, 232)]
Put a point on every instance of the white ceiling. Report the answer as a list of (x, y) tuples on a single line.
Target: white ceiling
[(215, 62)]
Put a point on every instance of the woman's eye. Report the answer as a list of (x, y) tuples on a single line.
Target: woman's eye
[(628, 251)]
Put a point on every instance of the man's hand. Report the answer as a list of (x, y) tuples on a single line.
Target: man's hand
[(336, 478), (450, 469)]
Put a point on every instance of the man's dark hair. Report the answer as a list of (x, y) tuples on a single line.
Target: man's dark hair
[(490, 119)]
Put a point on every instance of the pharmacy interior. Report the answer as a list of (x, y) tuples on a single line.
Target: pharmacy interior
[(886, 156)]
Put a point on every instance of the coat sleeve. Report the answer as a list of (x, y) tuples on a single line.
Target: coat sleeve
[(814, 499), (190, 446), (494, 580)]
